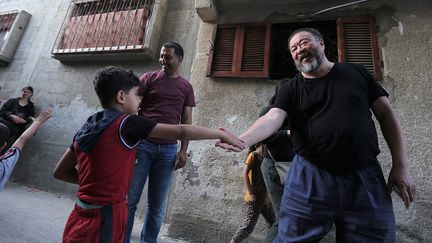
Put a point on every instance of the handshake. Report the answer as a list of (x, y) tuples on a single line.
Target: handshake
[(230, 142)]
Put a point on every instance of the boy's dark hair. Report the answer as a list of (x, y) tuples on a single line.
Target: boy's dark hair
[(109, 80), (4, 134), (313, 31), (178, 49)]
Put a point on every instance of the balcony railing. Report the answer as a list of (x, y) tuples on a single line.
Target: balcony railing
[(103, 27)]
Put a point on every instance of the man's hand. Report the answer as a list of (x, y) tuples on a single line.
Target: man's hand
[(230, 142), (17, 119), (181, 160), (400, 179)]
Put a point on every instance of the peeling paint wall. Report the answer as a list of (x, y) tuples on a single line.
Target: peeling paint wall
[(68, 86), (208, 208), (408, 70)]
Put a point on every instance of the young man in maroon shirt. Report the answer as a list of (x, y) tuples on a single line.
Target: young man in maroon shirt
[(167, 98)]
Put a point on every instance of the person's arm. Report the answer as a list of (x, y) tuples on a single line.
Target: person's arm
[(31, 130), (186, 118), (32, 110), (6, 109), (192, 132), (65, 169), (392, 132), (16, 119), (247, 168), (7, 164), (261, 129), (31, 113)]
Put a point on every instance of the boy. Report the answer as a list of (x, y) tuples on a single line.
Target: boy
[(104, 152), (9, 159)]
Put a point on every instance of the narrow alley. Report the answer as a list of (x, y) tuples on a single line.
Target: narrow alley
[(32, 215)]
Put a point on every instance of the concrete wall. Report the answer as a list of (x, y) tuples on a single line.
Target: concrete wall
[(68, 86), (206, 203)]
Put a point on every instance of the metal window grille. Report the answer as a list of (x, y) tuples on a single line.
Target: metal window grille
[(6, 21), (103, 26)]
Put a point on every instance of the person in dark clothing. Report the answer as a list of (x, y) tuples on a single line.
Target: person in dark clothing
[(17, 113), (335, 178), (277, 149)]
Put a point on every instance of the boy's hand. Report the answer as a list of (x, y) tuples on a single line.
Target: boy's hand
[(230, 142), (44, 115)]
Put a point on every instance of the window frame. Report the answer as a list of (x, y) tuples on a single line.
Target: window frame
[(376, 61), (238, 52), (114, 43)]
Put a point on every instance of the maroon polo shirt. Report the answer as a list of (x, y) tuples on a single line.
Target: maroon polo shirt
[(164, 98)]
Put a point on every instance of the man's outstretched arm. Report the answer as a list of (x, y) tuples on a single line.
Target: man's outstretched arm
[(261, 129)]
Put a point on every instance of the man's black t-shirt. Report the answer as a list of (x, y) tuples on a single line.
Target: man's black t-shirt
[(330, 117)]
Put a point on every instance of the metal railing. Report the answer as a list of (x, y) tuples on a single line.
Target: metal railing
[(103, 26), (6, 21)]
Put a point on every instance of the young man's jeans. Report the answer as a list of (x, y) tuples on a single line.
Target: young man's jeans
[(157, 162)]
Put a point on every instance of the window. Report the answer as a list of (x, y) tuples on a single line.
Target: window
[(106, 27), (12, 26), (6, 21), (240, 51), (346, 40), (358, 43)]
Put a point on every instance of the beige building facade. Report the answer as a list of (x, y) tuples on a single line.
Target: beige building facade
[(205, 203)]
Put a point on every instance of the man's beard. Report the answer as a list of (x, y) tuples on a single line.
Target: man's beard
[(309, 66)]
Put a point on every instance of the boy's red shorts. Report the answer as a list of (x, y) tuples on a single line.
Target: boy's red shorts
[(106, 224)]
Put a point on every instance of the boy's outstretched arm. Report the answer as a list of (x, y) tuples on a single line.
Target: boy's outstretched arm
[(192, 132), (65, 169), (29, 132)]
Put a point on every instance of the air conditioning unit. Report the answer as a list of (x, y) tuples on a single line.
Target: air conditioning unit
[(12, 26)]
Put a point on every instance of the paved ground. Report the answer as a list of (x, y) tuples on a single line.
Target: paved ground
[(31, 215)]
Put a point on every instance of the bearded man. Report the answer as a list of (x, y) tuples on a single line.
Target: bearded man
[(335, 177)]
